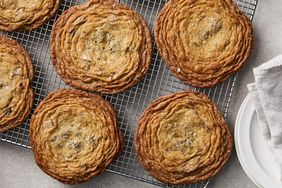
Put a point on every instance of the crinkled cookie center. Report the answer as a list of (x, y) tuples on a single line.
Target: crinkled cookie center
[(183, 134), (205, 35), (107, 47), (74, 132)]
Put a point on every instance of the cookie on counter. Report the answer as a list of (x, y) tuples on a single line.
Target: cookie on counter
[(101, 46), (182, 138), (16, 75), (26, 14), (74, 135), (203, 42)]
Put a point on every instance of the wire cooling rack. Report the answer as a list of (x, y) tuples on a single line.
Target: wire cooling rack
[(129, 104)]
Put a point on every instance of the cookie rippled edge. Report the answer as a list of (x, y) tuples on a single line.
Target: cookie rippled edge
[(74, 135), (203, 42), (16, 94), (182, 138), (101, 46), (15, 15)]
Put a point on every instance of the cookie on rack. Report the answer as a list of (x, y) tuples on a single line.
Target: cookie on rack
[(74, 135), (101, 46), (182, 138), (16, 75), (26, 14), (203, 42)]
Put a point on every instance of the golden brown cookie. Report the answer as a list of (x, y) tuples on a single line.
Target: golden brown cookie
[(16, 75), (74, 135), (203, 42), (26, 14), (101, 46), (182, 138)]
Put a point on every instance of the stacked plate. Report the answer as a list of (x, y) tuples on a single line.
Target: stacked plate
[(253, 152)]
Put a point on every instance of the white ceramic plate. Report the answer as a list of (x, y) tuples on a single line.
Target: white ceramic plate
[(253, 153)]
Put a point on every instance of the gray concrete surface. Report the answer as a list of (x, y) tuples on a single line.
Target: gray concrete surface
[(18, 170)]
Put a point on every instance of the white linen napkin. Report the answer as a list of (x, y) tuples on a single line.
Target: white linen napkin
[(266, 95)]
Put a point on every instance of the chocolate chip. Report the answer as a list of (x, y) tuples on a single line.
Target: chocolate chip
[(93, 139), (127, 49), (20, 87), (76, 144), (60, 145), (66, 134), (8, 111)]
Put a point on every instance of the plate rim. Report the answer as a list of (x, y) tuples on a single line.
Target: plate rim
[(264, 180)]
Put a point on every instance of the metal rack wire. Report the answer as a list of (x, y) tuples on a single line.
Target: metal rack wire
[(129, 104)]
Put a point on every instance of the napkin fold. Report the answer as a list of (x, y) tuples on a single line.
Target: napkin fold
[(266, 95)]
